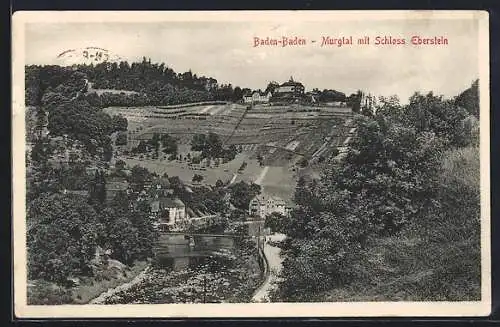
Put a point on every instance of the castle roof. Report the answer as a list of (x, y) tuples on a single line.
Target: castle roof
[(291, 82)]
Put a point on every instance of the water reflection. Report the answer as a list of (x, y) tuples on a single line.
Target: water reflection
[(178, 252)]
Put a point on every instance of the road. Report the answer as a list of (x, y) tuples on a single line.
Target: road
[(263, 173), (272, 254), (123, 287)]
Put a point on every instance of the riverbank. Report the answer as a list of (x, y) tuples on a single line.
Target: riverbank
[(106, 280), (121, 288), (225, 277), (106, 277)]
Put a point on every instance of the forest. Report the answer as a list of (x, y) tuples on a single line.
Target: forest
[(65, 230), (399, 219), (141, 84), (153, 84)]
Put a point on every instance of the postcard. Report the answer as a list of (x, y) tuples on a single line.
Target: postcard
[(251, 164)]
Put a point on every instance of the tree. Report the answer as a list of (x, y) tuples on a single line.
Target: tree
[(198, 142), (213, 146), (121, 138), (469, 99), (62, 235), (141, 147), (243, 166), (39, 152), (237, 94), (80, 121), (169, 144), (431, 113), (272, 86), (120, 164), (97, 193), (260, 159), (138, 176), (276, 222), (107, 149), (354, 101), (242, 193), (155, 143), (119, 123), (197, 178), (385, 186), (129, 232)]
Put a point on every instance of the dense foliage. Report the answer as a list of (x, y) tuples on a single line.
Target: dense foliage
[(242, 193), (145, 83), (211, 146), (469, 99), (64, 232), (395, 183)]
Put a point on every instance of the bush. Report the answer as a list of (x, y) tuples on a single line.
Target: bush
[(44, 293), (243, 166)]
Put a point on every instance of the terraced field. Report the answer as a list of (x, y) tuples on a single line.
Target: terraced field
[(280, 136)]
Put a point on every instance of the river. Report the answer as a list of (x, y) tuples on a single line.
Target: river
[(212, 270)]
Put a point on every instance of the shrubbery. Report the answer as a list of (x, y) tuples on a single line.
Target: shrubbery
[(406, 180)]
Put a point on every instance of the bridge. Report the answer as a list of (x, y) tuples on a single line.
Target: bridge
[(194, 234)]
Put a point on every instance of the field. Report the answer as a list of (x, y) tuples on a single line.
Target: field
[(225, 172), (282, 136)]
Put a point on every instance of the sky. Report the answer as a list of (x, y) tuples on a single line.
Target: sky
[(225, 51)]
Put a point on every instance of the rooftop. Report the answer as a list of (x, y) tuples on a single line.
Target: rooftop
[(171, 203), (265, 197), (291, 82)]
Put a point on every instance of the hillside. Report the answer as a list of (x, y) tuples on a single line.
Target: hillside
[(398, 218), (152, 84), (438, 258)]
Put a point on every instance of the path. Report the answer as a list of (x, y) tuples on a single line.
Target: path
[(272, 254), (123, 287), (263, 173), (233, 179)]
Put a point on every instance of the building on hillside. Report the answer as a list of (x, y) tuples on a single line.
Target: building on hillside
[(161, 187), (257, 97), (337, 103), (262, 205), (169, 211), (288, 92), (114, 185), (148, 183)]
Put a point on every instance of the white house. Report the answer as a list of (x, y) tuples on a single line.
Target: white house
[(257, 97), (170, 211), (262, 205), (176, 210)]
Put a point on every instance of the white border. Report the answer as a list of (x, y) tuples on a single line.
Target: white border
[(340, 309)]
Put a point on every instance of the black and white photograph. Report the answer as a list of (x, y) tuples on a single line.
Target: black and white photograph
[(282, 163)]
